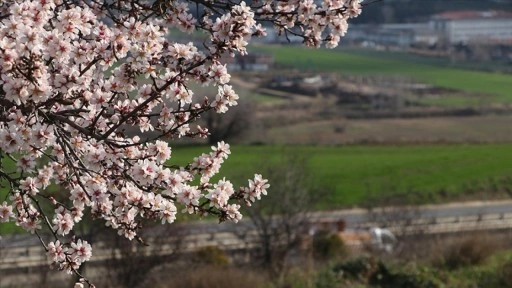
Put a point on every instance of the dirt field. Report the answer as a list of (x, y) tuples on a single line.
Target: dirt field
[(472, 129)]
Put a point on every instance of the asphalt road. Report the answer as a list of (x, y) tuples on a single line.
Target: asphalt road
[(358, 217), (354, 218)]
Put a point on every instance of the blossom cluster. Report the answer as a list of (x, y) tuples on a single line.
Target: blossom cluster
[(91, 92), (69, 257)]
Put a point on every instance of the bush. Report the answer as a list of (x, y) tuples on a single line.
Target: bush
[(375, 273), (326, 279), (213, 256), (469, 251), (328, 245), (360, 268), (416, 277), (208, 277), (505, 274)]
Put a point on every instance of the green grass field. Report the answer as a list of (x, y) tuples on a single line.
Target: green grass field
[(357, 175), (458, 101), (7, 228), (496, 85), (354, 174)]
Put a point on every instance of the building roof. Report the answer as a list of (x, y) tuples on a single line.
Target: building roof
[(473, 14)]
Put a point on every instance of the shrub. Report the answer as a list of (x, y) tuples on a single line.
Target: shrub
[(213, 256), (505, 274), (326, 279), (328, 245), (360, 268), (469, 251), (375, 273), (410, 277), (209, 277)]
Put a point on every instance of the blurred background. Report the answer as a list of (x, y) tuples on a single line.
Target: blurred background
[(389, 158)]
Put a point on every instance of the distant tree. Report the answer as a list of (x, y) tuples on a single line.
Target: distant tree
[(388, 13), (232, 125), (282, 217)]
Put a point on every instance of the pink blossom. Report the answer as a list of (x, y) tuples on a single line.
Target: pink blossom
[(80, 250), (63, 223), (56, 252), (219, 73), (5, 212), (257, 187), (233, 212)]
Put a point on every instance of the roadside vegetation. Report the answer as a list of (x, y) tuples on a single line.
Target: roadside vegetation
[(464, 262)]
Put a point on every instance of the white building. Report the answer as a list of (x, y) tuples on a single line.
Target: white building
[(473, 26)]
